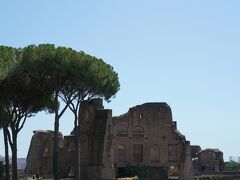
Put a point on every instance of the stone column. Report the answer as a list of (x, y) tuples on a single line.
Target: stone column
[(186, 167)]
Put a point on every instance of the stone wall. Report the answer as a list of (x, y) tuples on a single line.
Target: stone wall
[(209, 160), (68, 159), (95, 143), (145, 135), (150, 128), (195, 150), (39, 158)]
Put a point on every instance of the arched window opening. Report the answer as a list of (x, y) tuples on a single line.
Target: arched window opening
[(122, 131), (121, 153), (155, 153), (138, 131)]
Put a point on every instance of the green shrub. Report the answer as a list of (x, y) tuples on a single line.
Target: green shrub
[(138, 170)]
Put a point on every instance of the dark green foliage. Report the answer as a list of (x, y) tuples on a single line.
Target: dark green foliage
[(139, 170), (8, 60), (232, 165), (68, 70), (8, 57), (144, 172), (19, 97), (38, 78)]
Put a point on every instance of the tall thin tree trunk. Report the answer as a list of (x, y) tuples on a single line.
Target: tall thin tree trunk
[(58, 114), (78, 153), (55, 144), (56, 149), (14, 156), (6, 153), (4, 126), (77, 148)]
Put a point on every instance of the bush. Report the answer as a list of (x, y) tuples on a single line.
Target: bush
[(138, 170), (147, 172)]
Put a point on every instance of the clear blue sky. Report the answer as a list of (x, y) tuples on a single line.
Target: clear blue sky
[(185, 53)]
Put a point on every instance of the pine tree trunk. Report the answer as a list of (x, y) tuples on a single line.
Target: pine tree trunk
[(77, 147), (6, 153), (79, 154), (56, 149), (55, 144), (14, 156)]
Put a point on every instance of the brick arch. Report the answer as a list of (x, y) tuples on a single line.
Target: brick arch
[(122, 130), (138, 131)]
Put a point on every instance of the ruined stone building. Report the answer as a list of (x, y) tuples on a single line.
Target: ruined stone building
[(39, 158), (95, 144), (96, 156), (145, 135), (208, 160)]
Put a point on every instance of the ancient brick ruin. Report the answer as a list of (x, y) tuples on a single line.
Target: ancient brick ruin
[(95, 144), (207, 160), (145, 135), (39, 158)]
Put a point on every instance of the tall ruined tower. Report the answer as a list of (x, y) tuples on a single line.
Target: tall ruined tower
[(95, 143)]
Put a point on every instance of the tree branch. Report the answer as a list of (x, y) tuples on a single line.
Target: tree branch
[(9, 138), (21, 126)]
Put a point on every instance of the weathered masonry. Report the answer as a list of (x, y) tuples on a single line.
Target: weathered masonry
[(95, 144), (39, 158), (207, 160), (145, 135)]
